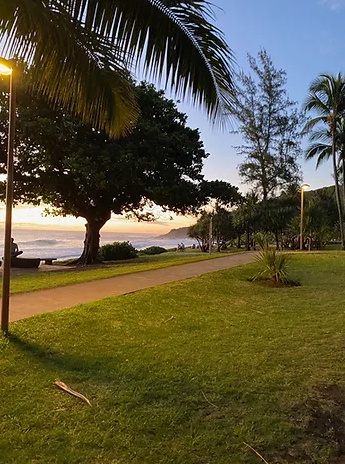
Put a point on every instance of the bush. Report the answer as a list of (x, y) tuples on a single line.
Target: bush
[(118, 251), (154, 250), (274, 265)]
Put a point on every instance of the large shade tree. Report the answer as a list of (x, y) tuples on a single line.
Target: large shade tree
[(79, 171), (326, 101), (81, 52)]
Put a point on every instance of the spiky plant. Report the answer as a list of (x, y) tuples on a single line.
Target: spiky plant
[(273, 264)]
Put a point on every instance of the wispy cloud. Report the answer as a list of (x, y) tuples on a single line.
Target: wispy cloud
[(334, 5)]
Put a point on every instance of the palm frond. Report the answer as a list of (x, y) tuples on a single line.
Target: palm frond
[(172, 39), (69, 64), (320, 150), (311, 123)]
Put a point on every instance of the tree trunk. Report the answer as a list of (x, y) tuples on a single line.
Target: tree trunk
[(277, 240), (337, 192), (239, 241), (91, 242), (248, 239), (343, 170)]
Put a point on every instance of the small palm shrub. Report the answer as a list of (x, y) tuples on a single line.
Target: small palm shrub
[(154, 250), (118, 251), (274, 265)]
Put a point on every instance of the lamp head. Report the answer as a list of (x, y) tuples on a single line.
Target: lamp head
[(5, 67), (305, 186)]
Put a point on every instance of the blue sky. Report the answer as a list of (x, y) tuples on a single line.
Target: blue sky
[(304, 37)]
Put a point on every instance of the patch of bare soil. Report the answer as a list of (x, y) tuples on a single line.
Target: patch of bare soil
[(321, 425)]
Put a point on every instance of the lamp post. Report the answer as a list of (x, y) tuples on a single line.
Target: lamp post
[(6, 69), (303, 187), (210, 210)]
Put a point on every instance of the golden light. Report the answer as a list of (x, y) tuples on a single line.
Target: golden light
[(5, 70), (305, 186)]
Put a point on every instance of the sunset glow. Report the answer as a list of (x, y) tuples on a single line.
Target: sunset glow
[(33, 218)]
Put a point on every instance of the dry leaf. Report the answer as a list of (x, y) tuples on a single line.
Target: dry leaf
[(69, 390)]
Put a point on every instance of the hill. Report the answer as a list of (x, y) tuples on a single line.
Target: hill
[(175, 234)]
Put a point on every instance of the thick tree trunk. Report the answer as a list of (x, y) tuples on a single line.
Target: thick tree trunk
[(91, 242), (337, 193)]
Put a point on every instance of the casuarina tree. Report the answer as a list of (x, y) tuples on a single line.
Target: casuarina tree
[(269, 124)]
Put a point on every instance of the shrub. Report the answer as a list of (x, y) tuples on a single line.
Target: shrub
[(154, 250), (274, 265), (117, 251)]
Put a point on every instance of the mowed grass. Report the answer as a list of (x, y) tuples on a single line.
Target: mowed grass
[(184, 373), (51, 279)]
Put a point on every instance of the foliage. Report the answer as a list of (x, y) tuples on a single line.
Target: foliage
[(154, 250), (81, 172), (270, 128), (223, 230), (80, 53), (118, 251), (327, 99), (273, 264), (242, 352), (201, 230)]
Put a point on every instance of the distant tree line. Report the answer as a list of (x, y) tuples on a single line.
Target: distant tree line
[(276, 220)]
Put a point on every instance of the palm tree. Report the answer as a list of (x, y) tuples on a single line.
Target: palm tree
[(327, 98), (81, 52)]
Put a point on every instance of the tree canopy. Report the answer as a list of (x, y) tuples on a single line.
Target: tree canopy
[(269, 124), (80, 171)]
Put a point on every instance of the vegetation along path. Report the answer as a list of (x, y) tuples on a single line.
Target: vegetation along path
[(29, 304)]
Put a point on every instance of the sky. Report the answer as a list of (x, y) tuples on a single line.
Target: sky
[(303, 37)]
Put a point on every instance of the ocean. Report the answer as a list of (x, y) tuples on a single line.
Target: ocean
[(65, 244)]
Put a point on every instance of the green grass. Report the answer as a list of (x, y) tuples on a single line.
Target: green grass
[(43, 280), (270, 360)]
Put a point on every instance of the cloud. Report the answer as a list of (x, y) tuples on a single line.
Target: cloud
[(334, 5)]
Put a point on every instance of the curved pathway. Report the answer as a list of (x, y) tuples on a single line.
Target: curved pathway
[(25, 305)]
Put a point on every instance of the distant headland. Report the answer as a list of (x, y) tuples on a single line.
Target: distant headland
[(175, 234)]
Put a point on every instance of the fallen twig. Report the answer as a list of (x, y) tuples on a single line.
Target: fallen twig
[(69, 390), (209, 402), (256, 452), (170, 319)]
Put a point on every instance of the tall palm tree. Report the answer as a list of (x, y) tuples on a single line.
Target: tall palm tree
[(327, 99), (82, 50)]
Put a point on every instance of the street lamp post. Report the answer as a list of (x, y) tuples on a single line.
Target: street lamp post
[(6, 69), (303, 186)]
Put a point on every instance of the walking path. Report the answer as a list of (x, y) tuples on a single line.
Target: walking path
[(24, 305)]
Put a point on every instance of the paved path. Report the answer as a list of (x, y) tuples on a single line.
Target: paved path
[(24, 305)]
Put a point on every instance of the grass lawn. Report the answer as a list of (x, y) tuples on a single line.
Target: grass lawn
[(42, 280), (238, 362)]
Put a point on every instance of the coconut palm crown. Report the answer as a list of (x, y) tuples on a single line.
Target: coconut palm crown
[(81, 53)]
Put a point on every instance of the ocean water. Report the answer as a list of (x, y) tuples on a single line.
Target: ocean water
[(65, 244)]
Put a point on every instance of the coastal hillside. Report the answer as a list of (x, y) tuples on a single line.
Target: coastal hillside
[(175, 234)]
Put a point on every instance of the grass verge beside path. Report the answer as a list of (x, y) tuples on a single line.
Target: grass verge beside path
[(45, 280), (184, 373)]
